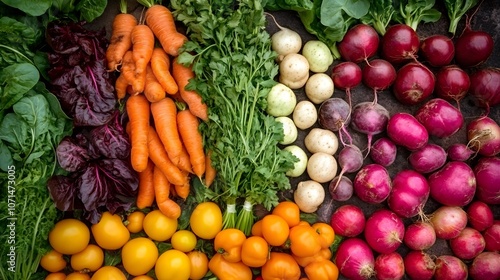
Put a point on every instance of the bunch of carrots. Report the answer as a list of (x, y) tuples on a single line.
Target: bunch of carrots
[(167, 146)]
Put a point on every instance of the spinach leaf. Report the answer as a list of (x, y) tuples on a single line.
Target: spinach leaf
[(15, 81), (292, 5), (31, 7), (5, 157), (91, 9), (34, 110), (455, 10), (380, 15)]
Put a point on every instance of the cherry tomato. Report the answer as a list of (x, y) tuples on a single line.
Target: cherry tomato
[(77, 276), (173, 264), (134, 221), (69, 236), (206, 220), (254, 251), (56, 276), (199, 264), (91, 259), (275, 229), (53, 261), (108, 273), (289, 211), (110, 233), (158, 226), (139, 255), (326, 234), (183, 240)]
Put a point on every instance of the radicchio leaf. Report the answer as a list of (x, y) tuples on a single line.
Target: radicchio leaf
[(71, 156), (110, 140), (62, 191)]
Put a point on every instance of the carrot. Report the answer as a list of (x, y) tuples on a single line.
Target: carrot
[(166, 205), (153, 91), (120, 41), (138, 112), (160, 63), (184, 161), (187, 124), (165, 118), (162, 23), (146, 193), (143, 42), (182, 75), (160, 158), (182, 191), (128, 67), (210, 171), (121, 85)]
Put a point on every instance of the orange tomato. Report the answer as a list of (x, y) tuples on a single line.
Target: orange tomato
[(228, 243), (53, 261), (254, 251), (77, 276), (304, 241), (199, 264), (110, 233), (159, 227), (257, 228), (274, 230), (91, 259), (69, 236), (56, 276), (281, 266), (142, 277), (323, 254), (108, 273), (289, 211), (322, 270), (134, 221), (139, 255), (326, 234)]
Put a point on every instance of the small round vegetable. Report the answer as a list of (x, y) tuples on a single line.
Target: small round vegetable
[(468, 244), (438, 50), (281, 101), (53, 261), (346, 75), (350, 160), (405, 130), (159, 227), (359, 43), (400, 43), (321, 140), (383, 151), (409, 193), (309, 195), (378, 74), (480, 215), (449, 267), (419, 236), (318, 55), (485, 266), (294, 70), (419, 265), (305, 114), (369, 118), (488, 180), (183, 240), (485, 87), (290, 132), (199, 264), (206, 220), (335, 114), (275, 229), (414, 83), (321, 167), (108, 272), (448, 221), (384, 231), (475, 42), (459, 152), (454, 184), (440, 118), (389, 266), (492, 237), (428, 159), (139, 255), (285, 41), (173, 264), (69, 236), (355, 259), (452, 83), (483, 135), (372, 184), (348, 220), (341, 188), (90, 259), (300, 166), (319, 87)]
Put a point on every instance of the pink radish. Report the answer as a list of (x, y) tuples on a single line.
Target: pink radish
[(468, 244), (340, 188), (355, 259), (487, 171), (369, 118), (440, 118), (335, 114), (359, 43), (459, 152), (409, 193), (419, 236), (350, 159), (346, 76), (483, 135), (384, 231), (485, 266), (448, 221), (473, 47), (450, 268), (400, 43), (405, 130), (414, 83), (485, 87), (454, 184), (428, 159), (389, 266), (452, 83), (348, 220), (383, 151), (480, 215), (372, 184), (419, 265), (378, 74), (492, 237), (438, 50)]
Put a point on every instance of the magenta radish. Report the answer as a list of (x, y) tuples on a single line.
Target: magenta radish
[(452, 83), (473, 47), (346, 76), (483, 136), (378, 74), (448, 221), (359, 43), (369, 118), (350, 159), (348, 220), (449, 267), (419, 236), (492, 237), (485, 266), (428, 159), (419, 265), (355, 259), (384, 231), (480, 215), (438, 50), (459, 152), (340, 188), (372, 184), (389, 266), (335, 114), (468, 244), (405, 130), (440, 118), (414, 83), (485, 87), (400, 43), (454, 184), (409, 193), (488, 179), (383, 151)]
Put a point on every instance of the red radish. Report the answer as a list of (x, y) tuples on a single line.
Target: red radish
[(452, 83), (372, 184), (487, 171), (335, 114), (414, 83), (480, 215), (346, 76), (473, 47), (450, 268), (448, 221), (348, 220), (405, 130), (483, 135), (389, 266), (419, 265), (369, 118), (400, 43), (485, 266), (440, 118), (428, 159), (378, 74), (359, 43), (468, 244), (454, 184), (485, 87), (384, 231), (492, 237), (350, 159), (459, 152), (383, 151), (409, 193), (355, 259), (340, 188), (419, 236), (438, 50)]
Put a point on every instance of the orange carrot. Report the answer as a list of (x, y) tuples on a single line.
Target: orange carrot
[(182, 191), (142, 48), (210, 171), (153, 91), (187, 124), (162, 23), (184, 161), (121, 85), (165, 118), (166, 205), (160, 63), (160, 158), (146, 193), (182, 75), (128, 67), (120, 41), (138, 112)]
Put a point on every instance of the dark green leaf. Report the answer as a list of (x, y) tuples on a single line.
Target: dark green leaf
[(91, 9), (31, 7), (34, 110), (16, 80), (5, 157)]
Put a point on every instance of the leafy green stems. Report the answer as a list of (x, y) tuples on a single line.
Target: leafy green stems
[(412, 12), (455, 10)]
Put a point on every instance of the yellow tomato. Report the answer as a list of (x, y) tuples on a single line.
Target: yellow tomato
[(173, 264), (69, 236), (142, 277), (108, 273), (206, 220), (77, 276), (158, 226), (91, 259), (110, 233), (183, 240), (56, 276), (199, 264), (53, 261), (134, 221), (139, 256)]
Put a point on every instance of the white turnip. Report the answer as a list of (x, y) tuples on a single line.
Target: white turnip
[(355, 259), (468, 244), (405, 130), (483, 135), (335, 114), (372, 184), (409, 193), (318, 55), (300, 166), (459, 152), (485, 87), (492, 237), (384, 231), (359, 43), (419, 265), (322, 167), (414, 83), (400, 43), (309, 195), (438, 50), (348, 220), (294, 70), (428, 159), (452, 83), (454, 184), (369, 118), (480, 215), (319, 87), (285, 40), (389, 266), (321, 140), (419, 236), (449, 267), (448, 221), (440, 118), (305, 114), (485, 266), (346, 76), (383, 151), (340, 188)]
